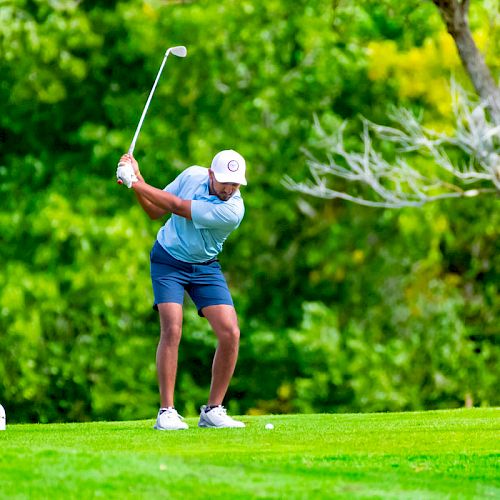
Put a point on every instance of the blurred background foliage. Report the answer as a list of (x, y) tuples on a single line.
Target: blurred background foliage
[(342, 308)]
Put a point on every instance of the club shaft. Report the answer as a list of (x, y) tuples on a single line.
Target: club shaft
[(138, 129)]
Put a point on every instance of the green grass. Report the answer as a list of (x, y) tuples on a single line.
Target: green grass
[(440, 454)]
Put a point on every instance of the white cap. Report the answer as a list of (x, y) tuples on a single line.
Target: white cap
[(229, 166)]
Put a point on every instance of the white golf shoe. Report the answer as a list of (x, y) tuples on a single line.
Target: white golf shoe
[(169, 420), (217, 417)]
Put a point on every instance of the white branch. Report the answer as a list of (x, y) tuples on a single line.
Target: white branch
[(476, 140)]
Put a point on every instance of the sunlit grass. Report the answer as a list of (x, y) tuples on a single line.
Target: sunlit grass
[(445, 454)]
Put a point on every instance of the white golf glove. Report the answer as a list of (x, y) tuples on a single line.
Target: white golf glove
[(125, 173)]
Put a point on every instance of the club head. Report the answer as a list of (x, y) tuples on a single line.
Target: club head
[(179, 51)]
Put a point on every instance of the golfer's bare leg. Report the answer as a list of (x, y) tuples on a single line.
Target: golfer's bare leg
[(223, 320), (168, 350)]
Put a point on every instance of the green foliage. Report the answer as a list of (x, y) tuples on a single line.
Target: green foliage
[(341, 307)]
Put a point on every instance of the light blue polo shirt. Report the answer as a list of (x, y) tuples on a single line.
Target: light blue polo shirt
[(213, 219)]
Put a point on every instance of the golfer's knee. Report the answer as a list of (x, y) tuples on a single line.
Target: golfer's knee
[(171, 334), (230, 335)]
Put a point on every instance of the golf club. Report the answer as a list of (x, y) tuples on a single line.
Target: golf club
[(179, 51)]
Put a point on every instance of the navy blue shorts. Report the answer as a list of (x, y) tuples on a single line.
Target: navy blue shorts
[(204, 283)]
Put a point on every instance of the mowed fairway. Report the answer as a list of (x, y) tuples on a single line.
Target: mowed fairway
[(441, 454)]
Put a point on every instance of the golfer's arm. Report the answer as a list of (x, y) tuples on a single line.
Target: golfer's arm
[(157, 202), (152, 210)]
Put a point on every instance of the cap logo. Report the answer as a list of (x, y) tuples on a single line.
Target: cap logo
[(233, 165)]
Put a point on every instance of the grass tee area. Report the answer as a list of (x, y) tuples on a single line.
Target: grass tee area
[(441, 454)]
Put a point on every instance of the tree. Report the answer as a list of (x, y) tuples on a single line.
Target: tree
[(455, 15), (333, 300), (474, 156)]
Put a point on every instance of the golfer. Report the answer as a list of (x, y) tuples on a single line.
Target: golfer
[(205, 207)]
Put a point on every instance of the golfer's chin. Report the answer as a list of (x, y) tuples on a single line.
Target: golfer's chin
[(224, 197)]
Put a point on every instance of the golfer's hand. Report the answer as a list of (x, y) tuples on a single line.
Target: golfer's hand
[(128, 158), (125, 174)]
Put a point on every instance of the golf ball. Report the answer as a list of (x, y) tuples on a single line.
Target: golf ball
[(269, 426)]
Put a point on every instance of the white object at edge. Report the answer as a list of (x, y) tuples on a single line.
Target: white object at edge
[(3, 420)]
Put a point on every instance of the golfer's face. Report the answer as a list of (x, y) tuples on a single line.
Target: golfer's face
[(223, 190)]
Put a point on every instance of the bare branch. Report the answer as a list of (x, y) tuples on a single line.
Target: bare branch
[(331, 194), (399, 183)]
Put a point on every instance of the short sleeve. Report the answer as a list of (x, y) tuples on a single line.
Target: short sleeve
[(207, 215), (175, 185)]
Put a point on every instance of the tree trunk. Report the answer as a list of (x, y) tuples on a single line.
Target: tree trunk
[(455, 16)]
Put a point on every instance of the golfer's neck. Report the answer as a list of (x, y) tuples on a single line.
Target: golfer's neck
[(211, 188)]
